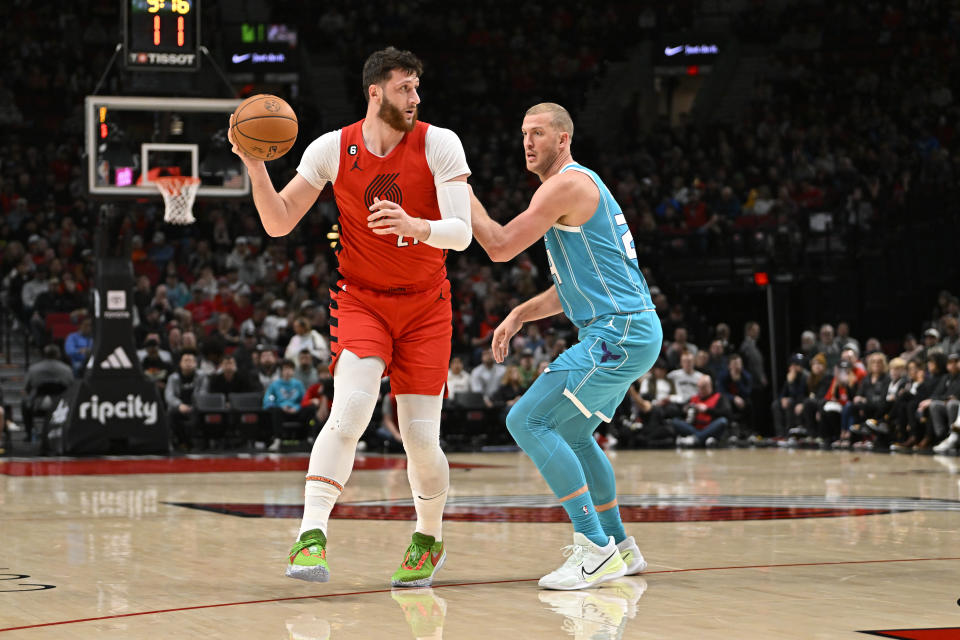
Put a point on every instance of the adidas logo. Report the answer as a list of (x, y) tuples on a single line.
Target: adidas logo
[(117, 360)]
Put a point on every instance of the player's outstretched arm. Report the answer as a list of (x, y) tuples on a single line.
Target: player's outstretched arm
[(561, 195), (279, 212), (542, 305)]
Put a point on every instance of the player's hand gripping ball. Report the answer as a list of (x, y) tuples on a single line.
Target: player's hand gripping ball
[(263, 127)]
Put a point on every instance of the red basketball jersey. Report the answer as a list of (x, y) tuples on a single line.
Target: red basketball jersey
[(386, 262)]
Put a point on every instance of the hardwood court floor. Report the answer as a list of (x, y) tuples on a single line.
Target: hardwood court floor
[(741, 543)]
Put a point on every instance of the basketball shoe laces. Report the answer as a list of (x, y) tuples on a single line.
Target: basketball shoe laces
[(575, 553), (417, 555), (300, 545)]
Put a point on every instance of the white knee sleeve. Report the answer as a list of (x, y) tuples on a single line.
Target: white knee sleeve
[(356, 388), (427, 469)]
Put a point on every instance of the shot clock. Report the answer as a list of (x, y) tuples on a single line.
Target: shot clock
[(161, 35)]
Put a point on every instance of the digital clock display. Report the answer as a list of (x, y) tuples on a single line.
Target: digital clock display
[(162, 34)]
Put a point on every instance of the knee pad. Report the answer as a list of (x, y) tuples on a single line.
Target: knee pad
[(350, 419), (420, 435)]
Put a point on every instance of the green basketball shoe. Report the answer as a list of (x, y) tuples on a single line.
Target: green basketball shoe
[(308, 557), (423, 559)]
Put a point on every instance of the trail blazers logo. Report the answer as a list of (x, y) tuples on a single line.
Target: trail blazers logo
[(384, 187)]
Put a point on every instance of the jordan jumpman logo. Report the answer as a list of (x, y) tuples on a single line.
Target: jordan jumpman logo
[(606, 354)]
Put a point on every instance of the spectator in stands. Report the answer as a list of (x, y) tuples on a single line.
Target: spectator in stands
[(851, 355), (911, 348), (904, 406), (225, 334), (931, 338), (705, 417), (245, 352), (45, 379), (867, 409), (458, 380), (717, 361), (267, 370), (828, 346), (33, 288), (510, 389), (527, 367), (752, 358), (276, 322), (701, 363), (650, 398), (808, 346), (844, 339), (179, 395), (685, 380), (792, 394), (255, 322), (283, 398), (678, 346), (486, 376), (832, 412), (155, 366), (941, 406), (229, 380), (306, 371), (78, 345), (315, 406), (736, 385), (818, 383), (306, 338), (722, 334), (950, 340)]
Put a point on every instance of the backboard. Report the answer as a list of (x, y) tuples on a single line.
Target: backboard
[(132, 139)]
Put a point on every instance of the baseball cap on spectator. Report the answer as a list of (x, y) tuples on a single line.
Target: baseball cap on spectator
[(306, 304), (931, 333), (954, 356), (278, 304), (241, 240), (526, 352), (33, 238), (797, 358)]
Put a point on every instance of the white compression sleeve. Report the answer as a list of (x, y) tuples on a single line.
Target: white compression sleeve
[(453, 231), (356, 386), (427, 468)]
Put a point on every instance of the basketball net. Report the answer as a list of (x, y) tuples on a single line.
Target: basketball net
[(178, 194)]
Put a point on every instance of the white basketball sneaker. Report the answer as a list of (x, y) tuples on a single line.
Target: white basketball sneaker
[(587, 565), (631, 555), (948, 443)]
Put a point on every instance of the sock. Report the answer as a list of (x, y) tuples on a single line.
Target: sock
[(430, 513), (319, 496), (584, 518), (612, 525)]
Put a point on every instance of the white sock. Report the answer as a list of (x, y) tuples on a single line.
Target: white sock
[(356, 387), (318, 500), (418, 417)]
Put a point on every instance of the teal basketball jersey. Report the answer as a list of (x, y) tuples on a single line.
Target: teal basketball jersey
[(594, 266)]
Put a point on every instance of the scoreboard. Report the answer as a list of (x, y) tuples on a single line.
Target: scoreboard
[(161, 35)]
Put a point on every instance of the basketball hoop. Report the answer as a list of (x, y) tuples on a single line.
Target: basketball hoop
[(178, 194)]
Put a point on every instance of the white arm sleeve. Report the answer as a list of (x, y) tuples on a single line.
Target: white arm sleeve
[(321, 161), (453, 231), (446, 160)]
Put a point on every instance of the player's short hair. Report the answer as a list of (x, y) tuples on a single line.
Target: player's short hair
[(561, 117), (378, 66)]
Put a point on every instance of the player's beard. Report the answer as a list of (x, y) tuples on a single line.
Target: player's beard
[(394, 117)]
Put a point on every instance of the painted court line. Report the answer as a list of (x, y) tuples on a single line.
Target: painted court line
[(443, 586)]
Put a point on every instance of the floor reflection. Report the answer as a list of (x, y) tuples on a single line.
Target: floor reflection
[(423, 610), (597, 614), (308, 627)]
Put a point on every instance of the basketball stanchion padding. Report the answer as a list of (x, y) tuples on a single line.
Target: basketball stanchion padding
[(178, 195)]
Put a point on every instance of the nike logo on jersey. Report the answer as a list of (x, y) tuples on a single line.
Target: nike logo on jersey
[(585, 573), (606, 354)]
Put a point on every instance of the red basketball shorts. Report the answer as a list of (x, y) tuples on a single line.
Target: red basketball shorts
[(411, 332)]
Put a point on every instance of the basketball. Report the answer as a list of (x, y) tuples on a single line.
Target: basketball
[(264, 126)]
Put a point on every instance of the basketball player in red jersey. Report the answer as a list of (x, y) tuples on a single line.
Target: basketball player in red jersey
[(401, 188)]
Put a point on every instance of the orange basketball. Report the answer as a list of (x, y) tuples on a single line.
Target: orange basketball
[(264, 126)]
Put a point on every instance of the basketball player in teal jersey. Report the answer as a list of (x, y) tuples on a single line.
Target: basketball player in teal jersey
[(598, 285)]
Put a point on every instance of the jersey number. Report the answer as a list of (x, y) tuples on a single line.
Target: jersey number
[(401, 243), (627, 237), (553, 267)]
